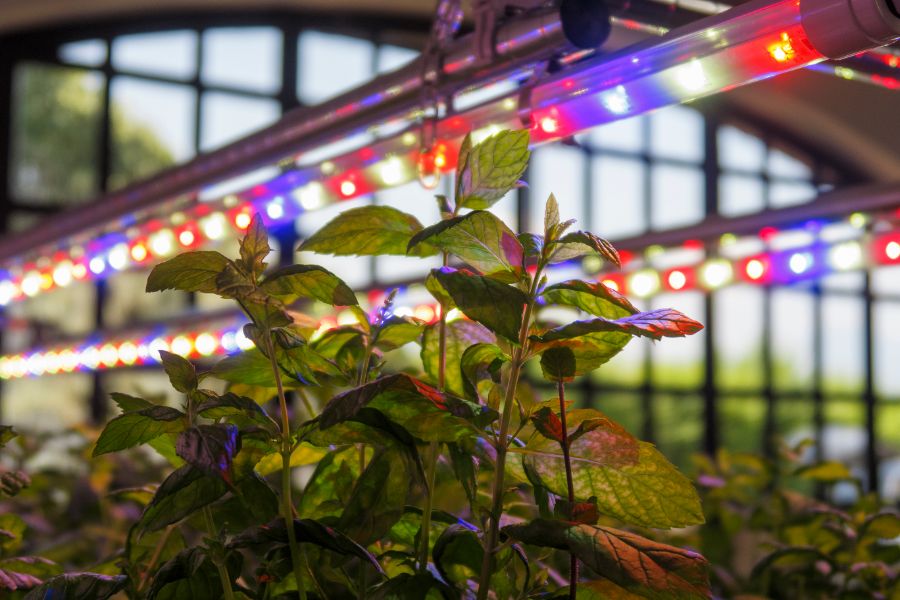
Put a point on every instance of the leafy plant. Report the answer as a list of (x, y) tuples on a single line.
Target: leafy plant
[(449, 481)]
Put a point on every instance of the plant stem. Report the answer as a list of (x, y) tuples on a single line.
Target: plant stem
[(220, 566), (286, 451), (518, 358), (157, 552), (570, 485)]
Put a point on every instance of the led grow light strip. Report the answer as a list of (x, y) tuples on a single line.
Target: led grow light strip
[(637, 279)]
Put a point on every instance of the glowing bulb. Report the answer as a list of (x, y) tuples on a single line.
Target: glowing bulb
[(549, 125), (783, 50), (31, 284), (440, 160), (348, 188), (182, 346), (79, 271), (755, 269), (36, 364), (716, 273), (90, 357), (275, 210), (68, 360), (846, 255), (118, 257), (213, 226), (155, 346), (97, 265), (611, 284), (139, 252), (109, 356), (128, 353), (162, 243), (677, 280), (409, 138), (454, 314), (242, 220), (403, 311), (229, 343), (206, 344), (692, 76), (327, 167), (616, 101), (800, 262), (243, 342), (392, 171), (858, 220), (892, 250), (644, 283), (310, 196), (62, 274), (7, 292), (186, 238), (54, 363), (425, 313)]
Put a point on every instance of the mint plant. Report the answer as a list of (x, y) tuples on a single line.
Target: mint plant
[(450, 482)]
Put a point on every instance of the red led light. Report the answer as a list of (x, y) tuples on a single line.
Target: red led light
[(139, 252), (767, 232), (242, 219), (615, 282), (783, 50), (548, 124), (348, 188), (756, 269), (186, 238), (679, 279), (887, 249)]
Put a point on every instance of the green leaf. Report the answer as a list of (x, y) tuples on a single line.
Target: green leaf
[(7, 433), (558, 363), (458, 554), (12, 528), (631, 480), (480, 362), (656, 324), (481, 240), (397, 331), (548, 424), (304, 454), (181, 372), (255, 247), (293, 282), (25, 572), (495, 305), (594, 298), (590, 351), (331, 484), (532, 245), (238, 408), (643, 567), (367, 231), (460, 335), (881, 526), (186, 490), (78, 586), (579, 512), (551, 217), (189, 272), (128, 403), (190, 574), (250, 367), (579, 243), (252, 502), (829, 471), (138, 427), (378, 497), (492, 168), (210, 448)]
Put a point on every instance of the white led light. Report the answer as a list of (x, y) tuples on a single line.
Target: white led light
[(677, 280), (716, 273), (118, 257), (800, 262), (90, 357), (128, 353), (97, 265), (616, 100), (275, 210), (229, 344), (62, 274), (182, 346), (54, 362), (392, 171), (243, 342), (213, 226), (68, 360), (155, 346), (892, 250), (31, 284), (643, 283), (7, 292), (311, 196), (109, 356), (846, 255), (162, 243), (205, 344), (36, 364), (691, 76)]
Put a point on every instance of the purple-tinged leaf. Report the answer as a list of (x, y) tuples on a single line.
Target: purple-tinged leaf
[(210, 448)]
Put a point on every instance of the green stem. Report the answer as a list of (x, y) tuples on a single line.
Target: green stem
[(570, 485), (220, 566), (157, 552), (287, 503), (506, 410)]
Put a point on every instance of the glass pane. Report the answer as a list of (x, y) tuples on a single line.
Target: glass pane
[(227, 117), (843, 349), (626, 135), (741, 194), (887, 351), (679, 427), (677, 132), (886, 280), (788, 194), (740, 150), (792, 338), (619, 202), (88, 53), (889, 439), (126, 302), (67, 312), (47, 403), (794, 420), (168, 53), (624, 409), (738, 337), (558, 170), (741, 423), (782, 164), (844, 440), (331, 64), (243, 57), (626, 368), (55, 110), (678, 362), (411, 199), (152, 127), (394, 57), (677, 196)]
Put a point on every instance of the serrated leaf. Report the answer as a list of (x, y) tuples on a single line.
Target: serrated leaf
[(184, 491), (189, 272), (495, 305), (646, 568), (479, 239), (7, 433), (480, 362), (328, 489), (181, 372), (655, 324), (558, 363), (138, 427), (551, 217), (460, 335), (302, 455), (127, 403), (232, 406), (590, 351), (210, 448), (458, 554), (492, 168), (829, 471), (78, 586), (594, 298), (398, 331), (293, 282), (548, 424), (255, 247), (191, 574), (631, 480), (250, 367), (367, 231), (591, 242)]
